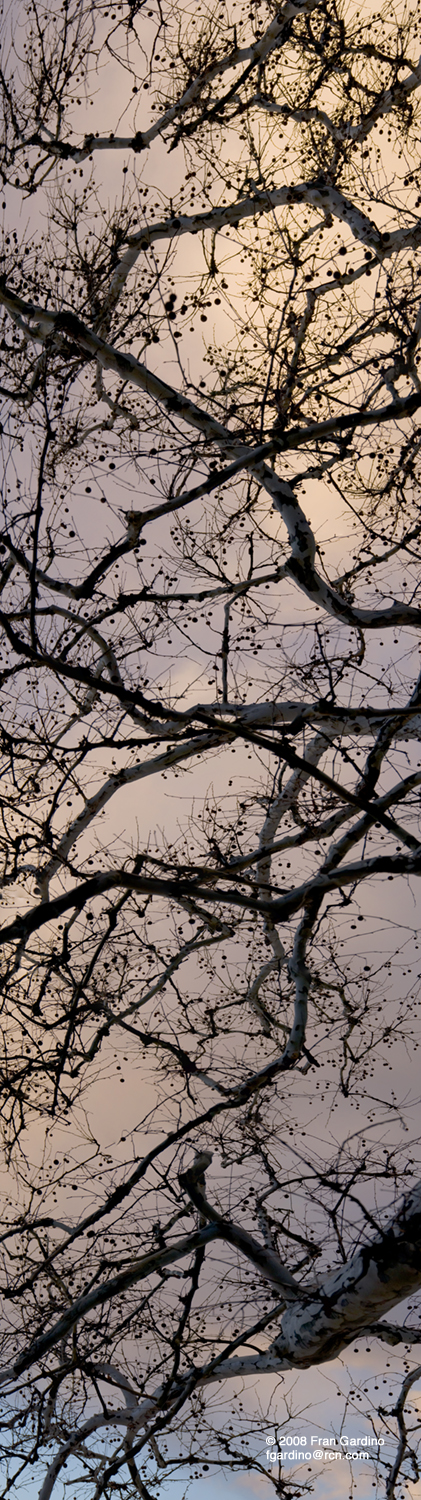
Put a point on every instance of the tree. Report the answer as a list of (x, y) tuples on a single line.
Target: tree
[(210, 327)]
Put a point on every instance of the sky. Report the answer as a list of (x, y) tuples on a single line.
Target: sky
[(390, 915)]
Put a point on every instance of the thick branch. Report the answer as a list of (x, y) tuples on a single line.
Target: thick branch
[(105, 1293), (268, 1263), (379, 1276)]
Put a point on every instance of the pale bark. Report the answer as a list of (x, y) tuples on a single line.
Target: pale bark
[(300, 565), (262, 973), (347, 1302)]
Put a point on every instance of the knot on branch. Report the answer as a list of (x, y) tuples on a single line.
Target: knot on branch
[(134, 520), (195, 1175)]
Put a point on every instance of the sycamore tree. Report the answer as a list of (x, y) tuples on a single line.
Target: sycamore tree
[(210, 541)]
